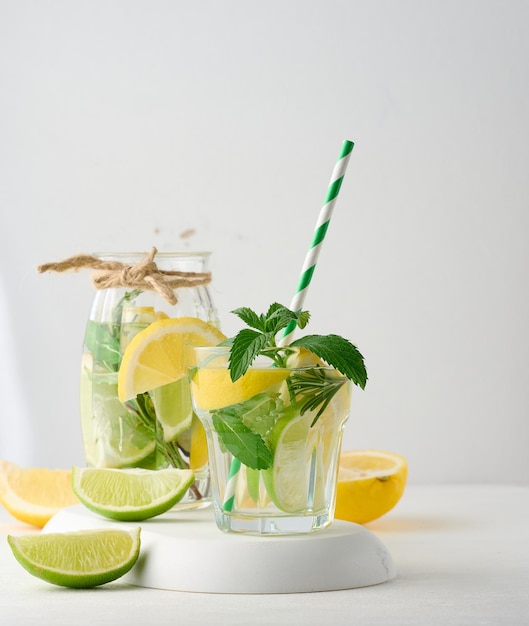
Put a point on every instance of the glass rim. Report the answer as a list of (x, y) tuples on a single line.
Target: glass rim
[(219, 351)]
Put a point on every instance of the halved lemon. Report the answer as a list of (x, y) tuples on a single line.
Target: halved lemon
[(370, 483), (155, 356)]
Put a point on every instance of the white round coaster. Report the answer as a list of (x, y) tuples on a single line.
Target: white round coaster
[(184, 551)]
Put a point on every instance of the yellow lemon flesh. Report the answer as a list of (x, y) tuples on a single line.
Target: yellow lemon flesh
[(33, 495), (370, 483), (214, 389), (198, 455), (155, 356)]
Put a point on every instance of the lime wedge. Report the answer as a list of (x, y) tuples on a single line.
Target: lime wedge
[(304, 454), (85, 558), (130, 494), (287, 481), (114, 434), (172, 405)]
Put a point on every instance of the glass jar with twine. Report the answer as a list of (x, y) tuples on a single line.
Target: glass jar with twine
[(157, 428)]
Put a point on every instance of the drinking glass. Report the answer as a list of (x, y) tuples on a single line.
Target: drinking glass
[(158, 428), (274, 445)]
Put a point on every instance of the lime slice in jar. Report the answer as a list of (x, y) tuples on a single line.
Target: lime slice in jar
[(172, 404), (120, 437)]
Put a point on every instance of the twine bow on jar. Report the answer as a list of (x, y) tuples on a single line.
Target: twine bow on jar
[(144, 275)]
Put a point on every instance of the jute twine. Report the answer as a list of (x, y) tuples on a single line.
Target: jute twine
[(144, 275)]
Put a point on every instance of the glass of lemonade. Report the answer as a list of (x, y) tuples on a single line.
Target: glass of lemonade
[(158, 428), (273, 454)]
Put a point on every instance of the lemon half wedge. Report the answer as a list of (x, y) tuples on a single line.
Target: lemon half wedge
[(370, 483)]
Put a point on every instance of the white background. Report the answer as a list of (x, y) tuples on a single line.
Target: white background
[(125, 123)]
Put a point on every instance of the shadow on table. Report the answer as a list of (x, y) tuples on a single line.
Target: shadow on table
[(414, 524)]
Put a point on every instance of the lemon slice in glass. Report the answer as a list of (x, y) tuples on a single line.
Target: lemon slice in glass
[(213, 388)]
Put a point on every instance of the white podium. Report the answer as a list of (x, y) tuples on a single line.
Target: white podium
[(185, 551)]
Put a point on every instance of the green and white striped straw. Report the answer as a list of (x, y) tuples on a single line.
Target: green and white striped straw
[(320, 231), (307, 271), (229, 494)]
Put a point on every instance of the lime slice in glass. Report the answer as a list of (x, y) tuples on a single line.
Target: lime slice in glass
[(287, 481)]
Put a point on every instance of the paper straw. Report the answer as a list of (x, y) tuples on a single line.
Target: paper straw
[(318, 237), (229, 494), (305, 278)]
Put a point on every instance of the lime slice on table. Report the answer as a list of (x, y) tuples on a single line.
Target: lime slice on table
[(85, 558), (130, 494)]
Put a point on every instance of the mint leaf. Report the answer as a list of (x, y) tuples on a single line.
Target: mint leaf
[(250, 318), (246, 346), (245, 445), (103, 342), (338, 353), (303, 319), (279, 317)]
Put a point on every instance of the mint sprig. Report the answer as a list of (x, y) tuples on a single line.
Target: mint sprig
[(244, 428), (260, 338)]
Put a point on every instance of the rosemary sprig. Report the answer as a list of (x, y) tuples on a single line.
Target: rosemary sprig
[(314, 387)]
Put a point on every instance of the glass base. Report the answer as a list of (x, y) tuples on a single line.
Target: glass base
[(271, 525)]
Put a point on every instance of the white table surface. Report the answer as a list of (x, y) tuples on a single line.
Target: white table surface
[(461, 552)]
